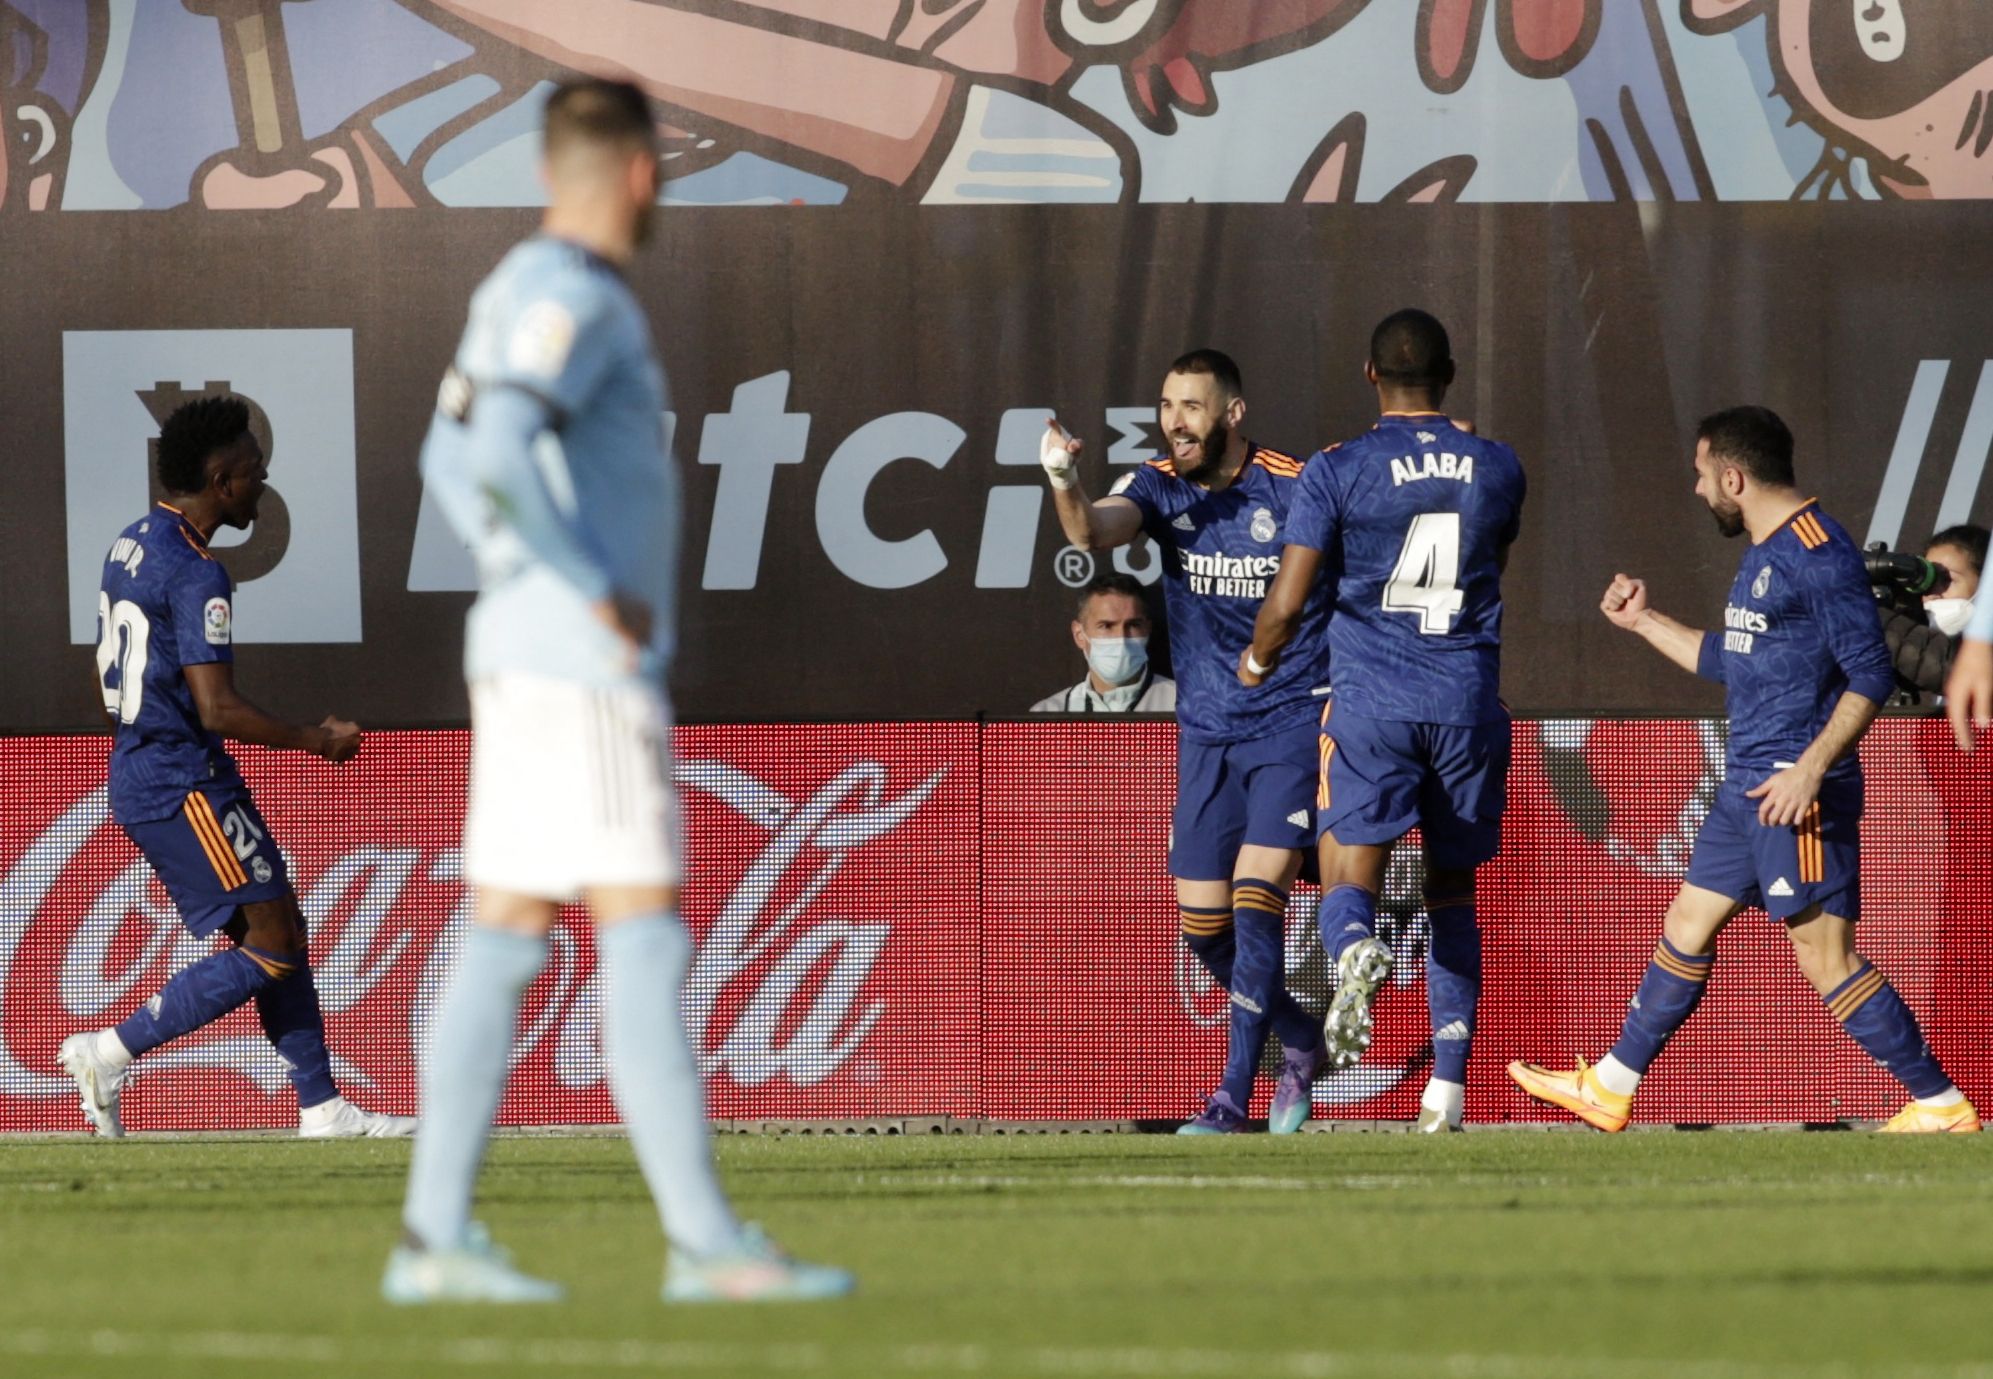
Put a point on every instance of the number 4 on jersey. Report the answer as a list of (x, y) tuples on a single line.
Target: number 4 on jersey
[(1427, 572)]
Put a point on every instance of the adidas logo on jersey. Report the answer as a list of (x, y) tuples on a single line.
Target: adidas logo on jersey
[(1455, 1031), (1780, 887), (1299, 818), (1183, 523)]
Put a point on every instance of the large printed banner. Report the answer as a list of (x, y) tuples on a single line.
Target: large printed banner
[(954, 920), (897, 236)]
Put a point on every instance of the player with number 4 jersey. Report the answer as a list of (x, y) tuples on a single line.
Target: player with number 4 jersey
[(165, 634), (1410, 525)]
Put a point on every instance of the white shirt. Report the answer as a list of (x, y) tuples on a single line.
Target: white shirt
[(1150, 694)]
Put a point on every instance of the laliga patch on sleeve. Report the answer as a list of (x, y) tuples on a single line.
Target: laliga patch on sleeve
[(541, 340), (214, 620), (1121, 484)]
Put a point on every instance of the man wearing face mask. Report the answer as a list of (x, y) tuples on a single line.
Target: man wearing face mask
[(1923, 637), (1111, 629)]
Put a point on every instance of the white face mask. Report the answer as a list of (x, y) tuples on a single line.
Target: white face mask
[(1949, 616), (1117, 660)]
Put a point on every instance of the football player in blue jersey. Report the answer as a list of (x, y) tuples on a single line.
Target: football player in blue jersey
[(548, 454), (1215, 505), (1408, 527), (1804, 669), (165, 671)]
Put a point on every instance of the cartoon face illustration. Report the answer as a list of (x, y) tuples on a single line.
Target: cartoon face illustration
[(47, 56), (1906, 84)]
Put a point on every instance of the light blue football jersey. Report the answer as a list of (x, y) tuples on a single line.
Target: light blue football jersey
[(559, 323)]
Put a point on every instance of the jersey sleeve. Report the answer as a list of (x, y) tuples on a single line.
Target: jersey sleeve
[(201, 600), (1316, 510), (1140, 487), (1513, 528), (1836, 590), (557, 343), (1709, 658)]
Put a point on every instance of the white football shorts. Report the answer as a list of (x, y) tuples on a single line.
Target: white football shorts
[(570, 787)]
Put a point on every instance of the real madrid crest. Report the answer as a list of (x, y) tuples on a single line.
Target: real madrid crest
[(1762, 584), (1264, 528)]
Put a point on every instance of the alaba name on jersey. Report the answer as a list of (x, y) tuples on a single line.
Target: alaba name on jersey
[(1411, 519), (165, 603), (1799, 631), (1220, 552)]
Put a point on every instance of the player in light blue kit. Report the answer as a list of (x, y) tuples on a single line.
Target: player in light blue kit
[(1215, 506), (165, 669), (1805, 669), (547, 452), (1410, 525)]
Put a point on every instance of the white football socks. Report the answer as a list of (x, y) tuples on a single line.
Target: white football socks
[(1616, 1077), (1447, 1098)]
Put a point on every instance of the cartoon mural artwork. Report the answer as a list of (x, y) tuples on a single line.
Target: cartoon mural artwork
[(344, 104), (47, 62), (1901, 91)]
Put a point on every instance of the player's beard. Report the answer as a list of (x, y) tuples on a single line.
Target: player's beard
[(1210, 454), (1729, 519)]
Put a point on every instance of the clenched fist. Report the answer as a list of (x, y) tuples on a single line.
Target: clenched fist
[(1625, 600)]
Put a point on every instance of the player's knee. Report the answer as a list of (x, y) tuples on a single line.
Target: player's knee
[(273, 927), (1688, 931)]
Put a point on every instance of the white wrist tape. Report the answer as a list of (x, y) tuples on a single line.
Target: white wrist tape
[(1252, 663)]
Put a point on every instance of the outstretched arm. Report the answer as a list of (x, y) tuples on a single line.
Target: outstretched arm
[(1113, 521), (226, 712), (1280, 614), (1625, 605)]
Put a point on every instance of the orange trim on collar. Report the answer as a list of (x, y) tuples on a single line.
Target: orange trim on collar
[(187, 525)]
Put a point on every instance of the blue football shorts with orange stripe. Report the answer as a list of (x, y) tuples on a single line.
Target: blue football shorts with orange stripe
[(214, 855), (1380, 778), (1228, 794), (1783, 869)]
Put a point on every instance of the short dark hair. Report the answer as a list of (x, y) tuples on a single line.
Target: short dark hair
[(193, 432), (1967, 537), (1411, 347), (1113, 582), (1216, 363), (598, 112), (1752, 439)]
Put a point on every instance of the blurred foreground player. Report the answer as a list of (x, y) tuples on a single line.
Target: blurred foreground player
[(1408, 527), (1215, 506), (165, 653), (1802, 659), (547, 453)]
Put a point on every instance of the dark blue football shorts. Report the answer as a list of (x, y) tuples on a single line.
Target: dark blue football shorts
[(1783, 869), (1230, 794), (214, 855), (1381, 777)]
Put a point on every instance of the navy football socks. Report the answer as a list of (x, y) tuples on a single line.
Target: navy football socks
[(1668, 994)]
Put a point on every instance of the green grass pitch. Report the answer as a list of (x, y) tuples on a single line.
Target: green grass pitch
[(1497, 1253)]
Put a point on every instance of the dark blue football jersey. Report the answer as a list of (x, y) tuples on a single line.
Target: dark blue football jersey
[(1220, 552), (1411, 519), (165, 603), (1799, 631)]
